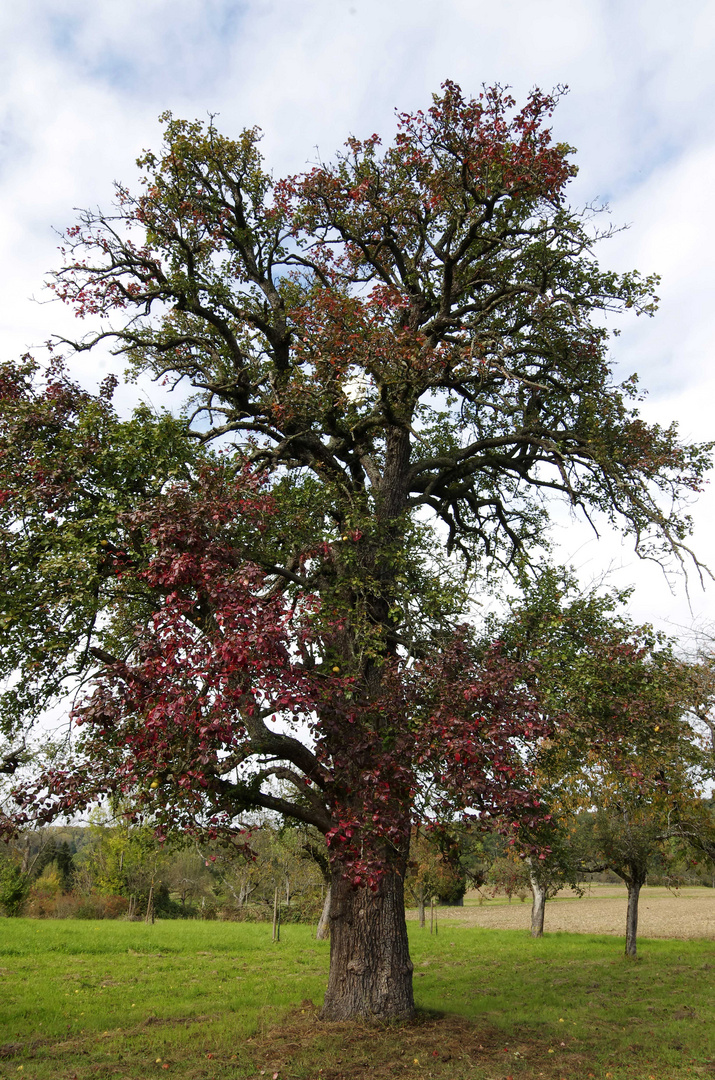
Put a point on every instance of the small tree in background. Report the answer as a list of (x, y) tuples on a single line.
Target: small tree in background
[(122, 859), (14, 885), (618, 700), (435, 870), (644, 784), (562, 865)]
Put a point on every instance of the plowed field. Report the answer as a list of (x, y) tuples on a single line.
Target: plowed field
[(688, 914)]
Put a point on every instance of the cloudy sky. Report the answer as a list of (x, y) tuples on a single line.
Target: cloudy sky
[(82, 83)]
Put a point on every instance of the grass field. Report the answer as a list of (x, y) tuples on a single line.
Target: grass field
[(209, 1000)]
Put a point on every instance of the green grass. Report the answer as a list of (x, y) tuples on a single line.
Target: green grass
[(214, 1000)]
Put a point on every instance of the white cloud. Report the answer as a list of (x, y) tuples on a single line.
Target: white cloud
[(84, 80)]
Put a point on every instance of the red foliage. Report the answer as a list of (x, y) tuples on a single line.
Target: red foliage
[(216, 691), (255, 655)]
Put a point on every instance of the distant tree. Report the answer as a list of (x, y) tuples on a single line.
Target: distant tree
[(617, 698), (14, 885), (278, 862), (629, 831), (435, 870), (187, 877), (562, 865), (509, 874), (641, 795), (57, 854), (124, 859)]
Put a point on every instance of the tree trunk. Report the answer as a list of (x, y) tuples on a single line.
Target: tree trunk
[(323, 931), (634, 888), (276, 926), (149, 917), (370, 967), (421, 905), (538, 906)]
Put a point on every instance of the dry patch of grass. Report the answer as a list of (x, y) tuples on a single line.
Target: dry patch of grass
[(301, 1047), (445, 1047)]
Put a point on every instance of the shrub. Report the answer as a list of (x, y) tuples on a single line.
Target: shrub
[(299, 910), (71, 906), (14, 887)]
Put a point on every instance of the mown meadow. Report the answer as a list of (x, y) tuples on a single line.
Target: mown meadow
[(211, 1000)]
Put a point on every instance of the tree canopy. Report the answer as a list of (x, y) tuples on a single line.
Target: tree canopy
[(621, 769), (388, 366)]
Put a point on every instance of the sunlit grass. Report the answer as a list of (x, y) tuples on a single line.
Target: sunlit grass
[(105, 999)]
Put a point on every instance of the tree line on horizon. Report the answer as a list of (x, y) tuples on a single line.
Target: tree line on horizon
[(109, 869)]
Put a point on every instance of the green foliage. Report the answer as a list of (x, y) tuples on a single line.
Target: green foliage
[(14, 886), (621, 770), (436, 870), (125, 860), (400, 354), (58, 856), (69, 470), (115, 862)]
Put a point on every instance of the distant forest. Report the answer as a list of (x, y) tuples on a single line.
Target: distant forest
[(110, 869)]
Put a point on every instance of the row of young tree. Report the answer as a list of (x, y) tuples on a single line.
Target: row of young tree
[(626, 766), (386, 369)]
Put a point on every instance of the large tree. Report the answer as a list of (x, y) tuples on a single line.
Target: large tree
[(399, 359)]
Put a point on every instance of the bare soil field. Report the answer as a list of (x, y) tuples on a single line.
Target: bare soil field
[(689, 913)]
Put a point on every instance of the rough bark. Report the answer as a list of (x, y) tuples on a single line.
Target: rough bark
[(323, 931), (634, 888), (421, 906), (538, 906), (370, 967)]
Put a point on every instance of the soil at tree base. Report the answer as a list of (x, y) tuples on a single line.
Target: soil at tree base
[(443, 1047)]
